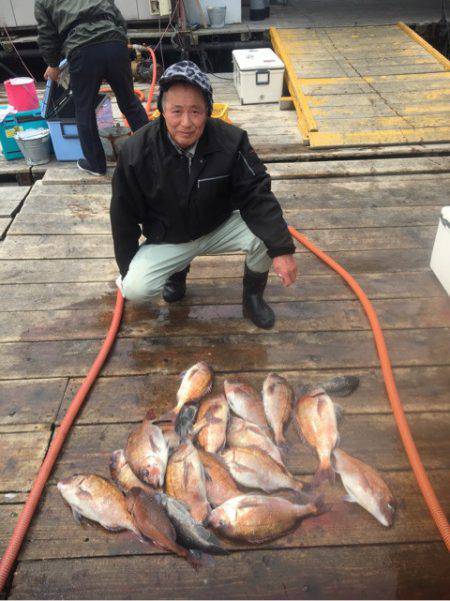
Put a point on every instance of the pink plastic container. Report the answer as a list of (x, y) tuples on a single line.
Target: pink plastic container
[(21, 93)]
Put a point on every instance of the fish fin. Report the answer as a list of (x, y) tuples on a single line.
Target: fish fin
[(349, 498), (341, 386), (321, 506), (186, 469), (198, 427), (77, 516), (284, 447), (325, 472), (321, 408), (339, 411)]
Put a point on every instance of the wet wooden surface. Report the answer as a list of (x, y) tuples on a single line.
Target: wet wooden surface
[(376, 212)]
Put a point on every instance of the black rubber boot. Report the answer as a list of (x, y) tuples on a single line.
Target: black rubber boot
[(254, 307), (175, 287)]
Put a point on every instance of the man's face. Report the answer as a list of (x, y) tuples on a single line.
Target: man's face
[(184, 109)]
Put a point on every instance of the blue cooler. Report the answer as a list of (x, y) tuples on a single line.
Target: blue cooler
[(59, 110), (14, 123)]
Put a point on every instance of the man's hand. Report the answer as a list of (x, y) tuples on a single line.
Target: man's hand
[(285, 267), (52, 73)]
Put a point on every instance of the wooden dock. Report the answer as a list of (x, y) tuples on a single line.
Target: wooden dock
[(365, 85), (376, 212)]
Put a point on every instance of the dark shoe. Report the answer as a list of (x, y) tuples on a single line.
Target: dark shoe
[(84, 166), (254, 307), (175, 287)]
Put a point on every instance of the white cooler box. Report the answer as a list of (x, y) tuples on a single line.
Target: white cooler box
[(440, 257), (258, 75)]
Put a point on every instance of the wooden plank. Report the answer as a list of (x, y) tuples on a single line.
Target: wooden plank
[(319, 350), (214, 319), (68, 173), (54, 533), (359, 167), (55, 296), (375, 572), (10, 198), (379, 137), (30, 401), (99, 270), (21, 455), (21, 250), (99, 224), (371, 437), (377, 192), (420, 388)]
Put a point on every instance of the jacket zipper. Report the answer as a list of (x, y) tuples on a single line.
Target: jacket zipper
[(246, 162), (209, 179)]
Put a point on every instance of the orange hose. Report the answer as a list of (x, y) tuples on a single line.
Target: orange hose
[(424, 483), (27, 512), (26, 515)]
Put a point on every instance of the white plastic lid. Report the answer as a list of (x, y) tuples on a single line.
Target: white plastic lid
[(257, 58), (32, 134), (445, 216), (20, 81)]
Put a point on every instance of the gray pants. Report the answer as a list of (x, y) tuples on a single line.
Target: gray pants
[(154, 263)]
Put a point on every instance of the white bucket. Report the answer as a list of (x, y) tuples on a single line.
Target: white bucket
[(440, 257), (216, 15), (34, 145)]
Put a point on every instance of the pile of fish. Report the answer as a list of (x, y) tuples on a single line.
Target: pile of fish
[(213, 467)]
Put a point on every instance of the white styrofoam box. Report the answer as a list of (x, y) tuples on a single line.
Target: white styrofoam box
[(258, 75), (440, 257), (128, 8), (23, 12), (146, 14), (232, 15), (7, 17)]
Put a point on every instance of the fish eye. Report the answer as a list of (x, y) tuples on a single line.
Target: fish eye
[(391, 507)]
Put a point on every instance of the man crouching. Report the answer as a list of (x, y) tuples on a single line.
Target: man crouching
[(193, 185)]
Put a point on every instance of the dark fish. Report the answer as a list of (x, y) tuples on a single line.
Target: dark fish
[(154, 523), (341, 385), (185, 420), (191, 534)]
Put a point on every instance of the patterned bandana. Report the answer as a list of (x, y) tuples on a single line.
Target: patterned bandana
[(186, 71)]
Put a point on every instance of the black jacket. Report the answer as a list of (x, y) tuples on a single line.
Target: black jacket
[(152, 187)]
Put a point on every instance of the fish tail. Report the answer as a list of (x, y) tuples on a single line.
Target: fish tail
[(198, 559), (325, 472), (320, 505)]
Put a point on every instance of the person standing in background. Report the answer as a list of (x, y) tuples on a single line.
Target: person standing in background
[(92, 35)]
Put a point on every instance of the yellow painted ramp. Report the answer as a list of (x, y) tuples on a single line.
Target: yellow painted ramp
[(358, 86)]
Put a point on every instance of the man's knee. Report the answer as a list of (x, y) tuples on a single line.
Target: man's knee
[(135, 289)]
